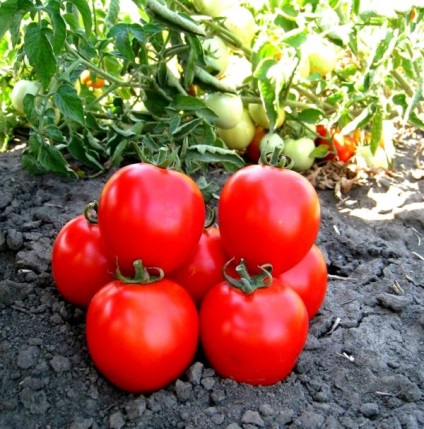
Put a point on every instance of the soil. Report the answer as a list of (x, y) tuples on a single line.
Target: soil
[(362, 366)]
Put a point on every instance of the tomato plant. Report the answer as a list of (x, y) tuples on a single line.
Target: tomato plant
[(92, 81), (142, 337), (268, 215), (253, 336), (80, 262), (20, 90), (204, 267), (150, 213), (309, 279), (299, 151)]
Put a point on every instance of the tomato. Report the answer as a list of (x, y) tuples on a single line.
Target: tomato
[(153, 214), (240, 21), (299, 151), (270, 141), (142, 337), (91, 80), (322, 55), (228, 108), (80, 263), (204, 267), (253, 150), (259, 116), (22, 88), (268, 215), (216, 54), (345, 146), (253, 338), (309, 279), (212, 8), (240, 136)]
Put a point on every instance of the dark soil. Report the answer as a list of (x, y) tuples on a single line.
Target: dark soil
[(362, 366)]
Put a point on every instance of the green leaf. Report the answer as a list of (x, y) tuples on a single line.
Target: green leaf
[(360, 121), (112, 13), (39, 51), (80, 150), (212, 154), (311, 116), (67, 100), (59, 25), (295, 37), (186, 128), (85, 13), (187, 103), (123, 34), (376, 130), (7, 13)]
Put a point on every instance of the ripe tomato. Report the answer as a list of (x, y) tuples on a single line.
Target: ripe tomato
[(253, 151), (87, 79), (228, 108), (204, 267), (240, 136), (309, 279), (80, 264), (253, 338), (345, 146), (299, 150), (268, 215), (149, 213), (142, 337)]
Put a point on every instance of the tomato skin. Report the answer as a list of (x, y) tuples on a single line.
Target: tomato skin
[(268, 215), (309, 279), (80, 264), (142, 337), (97, 83), (253, 151), (204, 267), (149, 213), (254, 338), (345, 146)]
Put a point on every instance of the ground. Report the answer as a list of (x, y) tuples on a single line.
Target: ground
[(361, 367)]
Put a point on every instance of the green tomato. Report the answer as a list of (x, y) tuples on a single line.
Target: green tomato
[(228, 108), (270, 141), (217, 55), (259, 116), (378, 160), (322, 55), (300, 152), (212, 8), (22, 88), (241, 23), (240, 136)]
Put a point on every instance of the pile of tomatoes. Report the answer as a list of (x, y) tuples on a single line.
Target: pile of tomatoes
[(158, 284)]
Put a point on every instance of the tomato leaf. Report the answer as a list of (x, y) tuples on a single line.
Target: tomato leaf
[(360, 121), (112, 13), (67, 100), (213, 154), (81, 151), (59, 25), (311, 116), (40, 53), (8, 9), (376, 130), (85, 13)]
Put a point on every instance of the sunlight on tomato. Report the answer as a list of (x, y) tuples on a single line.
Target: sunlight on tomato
[(228, 108), (91, 81), (240, 136)]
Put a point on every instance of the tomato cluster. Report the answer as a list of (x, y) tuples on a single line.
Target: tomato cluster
[(157, 283)]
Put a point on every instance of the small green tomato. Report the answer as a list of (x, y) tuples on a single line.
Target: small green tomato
[(259, 116), (216, 54), (240, 21), (240, 136), (300, 152), (22, 88), (228, 108)]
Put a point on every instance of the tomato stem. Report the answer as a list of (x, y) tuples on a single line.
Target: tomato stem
[(90, 212), (142, 275), (247, 283)]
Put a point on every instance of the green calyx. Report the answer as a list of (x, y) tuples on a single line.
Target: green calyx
[(247, 283), (275, 158), (142, 275), (90, 212)]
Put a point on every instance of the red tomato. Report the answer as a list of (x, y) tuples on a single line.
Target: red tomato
[(253, 338), (309, 279), (253, 151), (142, 337), (152, 214), (345, 146), (80, 264), (268, 215), (204, 267), (98, 82)]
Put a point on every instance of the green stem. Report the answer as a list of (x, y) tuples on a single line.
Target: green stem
[(142, 274)]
